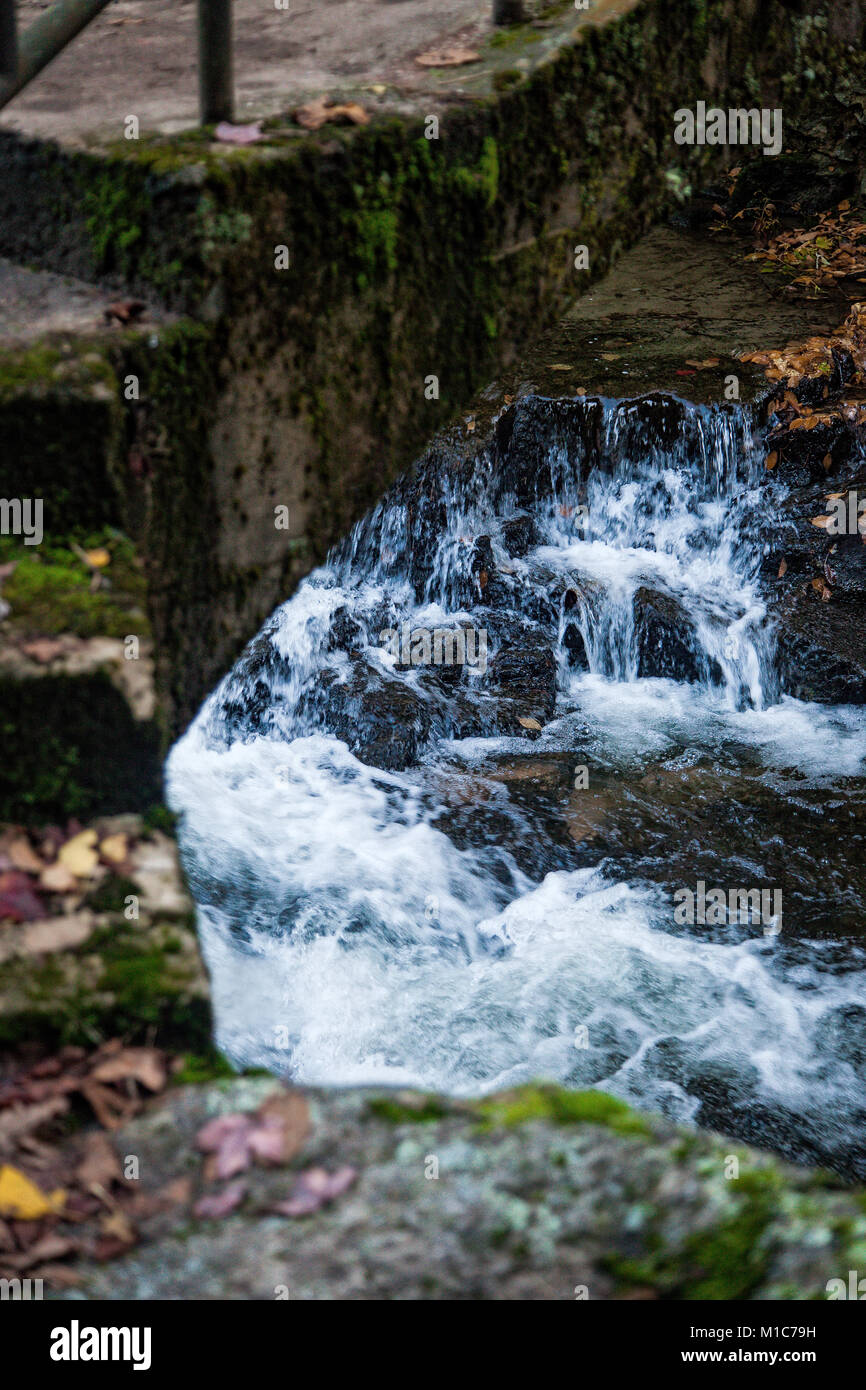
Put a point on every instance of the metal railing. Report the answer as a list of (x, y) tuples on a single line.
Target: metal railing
[(24, 55)]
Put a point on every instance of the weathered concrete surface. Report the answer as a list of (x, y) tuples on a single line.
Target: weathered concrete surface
[(541, 1195), (139, 57), (676, 295)]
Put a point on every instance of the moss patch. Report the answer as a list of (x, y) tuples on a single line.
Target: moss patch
[(563, 1107)]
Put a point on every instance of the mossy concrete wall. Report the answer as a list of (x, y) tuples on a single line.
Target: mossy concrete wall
[(408, 258)]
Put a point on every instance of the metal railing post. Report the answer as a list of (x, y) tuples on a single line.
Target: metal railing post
[(215, 65), (44, 39), (8, 39)]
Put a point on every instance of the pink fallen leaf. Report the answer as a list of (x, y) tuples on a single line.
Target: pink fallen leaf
[(219, 1204), (212, 1135), (314, 1189), (18, 902), (238, 134)]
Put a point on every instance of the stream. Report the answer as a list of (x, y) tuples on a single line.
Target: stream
[(462, 874)]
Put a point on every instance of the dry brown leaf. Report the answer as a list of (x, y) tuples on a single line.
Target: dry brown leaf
[(528, 723), (22, 855), (20, 1120), (116, 1226), (453, 57), (319, 112), (144, 1064), (822, 522), (772, 460), (100, 1165), (286, 1117), (783, 568)]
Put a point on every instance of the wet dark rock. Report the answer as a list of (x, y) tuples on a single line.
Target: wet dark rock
[(519, 534), (667, 645), (801, 453), (525, 671), (821, 655), (842, 1034), (383, 721), (575, 647), (796, 185), (346, 632), (247, 705)]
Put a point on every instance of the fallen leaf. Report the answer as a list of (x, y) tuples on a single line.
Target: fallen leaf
[(771, 461), (23, 856), (823, 589), (114, 848), (22, 1200), (47, 1247), (314, 1189), (98, 559), (44, 649), (118, 1234), (527, 723), (17, 1121), (125, 310), (144, 1064), (783, 568), (453, 57), (317, 113), (79, 854), (284, 1124), (216, 1205), (18, 902), (100, 1165), (230, 134), (177, 1192), (57, 878), (823, 521)]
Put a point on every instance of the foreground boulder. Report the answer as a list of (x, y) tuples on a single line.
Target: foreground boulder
[(535, 1194)]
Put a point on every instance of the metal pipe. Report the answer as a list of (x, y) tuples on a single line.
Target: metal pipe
[(215, 65), (44, 39), (8, 39)]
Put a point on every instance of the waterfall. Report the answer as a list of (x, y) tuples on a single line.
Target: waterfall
[(396, 879)]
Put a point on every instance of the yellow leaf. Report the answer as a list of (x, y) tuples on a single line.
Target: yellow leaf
[(527, 723), (97, 558), (22, 1200), (79, 854), (114, 848)]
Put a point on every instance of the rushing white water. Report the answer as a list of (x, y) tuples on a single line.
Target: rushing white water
[(351, 938)]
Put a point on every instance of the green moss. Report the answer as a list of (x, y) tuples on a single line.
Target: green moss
[(111, 894), (398, 1112), (547, 1102), (50, 591), (198, 1068), (727, 1261)]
